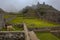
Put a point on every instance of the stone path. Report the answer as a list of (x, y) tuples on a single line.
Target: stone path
[(30, 35), (26, 32), (33, 36)]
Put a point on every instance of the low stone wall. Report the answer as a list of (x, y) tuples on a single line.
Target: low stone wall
[(12, 36), (46, 29)]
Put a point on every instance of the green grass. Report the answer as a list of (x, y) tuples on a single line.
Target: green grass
[(33, 22), (7, 16), (3, 29), (17, 20), (17, 28), (46, 36), (14, 29)]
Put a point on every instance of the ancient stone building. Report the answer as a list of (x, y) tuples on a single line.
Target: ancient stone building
[(1, 18), (48, 12)]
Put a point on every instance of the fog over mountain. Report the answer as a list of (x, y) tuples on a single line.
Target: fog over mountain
[(16, 5)]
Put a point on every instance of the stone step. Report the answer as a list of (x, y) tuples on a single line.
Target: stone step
[(33, 36)]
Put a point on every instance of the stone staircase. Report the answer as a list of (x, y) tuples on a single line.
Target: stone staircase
[(29, 35)]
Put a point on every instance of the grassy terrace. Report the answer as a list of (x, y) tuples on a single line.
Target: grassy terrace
[(17, 28), (46, 36), (7, 16), (33, 22), (14, 28)]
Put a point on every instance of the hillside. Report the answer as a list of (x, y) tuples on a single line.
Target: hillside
[(42, 11)]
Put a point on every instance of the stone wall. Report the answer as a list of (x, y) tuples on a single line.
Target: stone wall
[(12, 36), (1, 20)]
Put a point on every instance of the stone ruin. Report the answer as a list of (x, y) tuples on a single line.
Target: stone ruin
[(25, 34), (12, 36), (2, 23)]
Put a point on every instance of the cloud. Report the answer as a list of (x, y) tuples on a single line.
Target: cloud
[(15, 5)]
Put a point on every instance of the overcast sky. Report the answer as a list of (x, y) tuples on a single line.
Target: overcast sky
[(15, 5)]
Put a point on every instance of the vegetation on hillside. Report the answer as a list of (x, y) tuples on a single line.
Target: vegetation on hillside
[(33, 22)]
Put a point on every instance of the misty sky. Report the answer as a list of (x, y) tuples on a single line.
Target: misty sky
[(15, 5)]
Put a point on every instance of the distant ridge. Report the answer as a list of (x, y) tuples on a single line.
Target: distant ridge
[(42, 11)]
